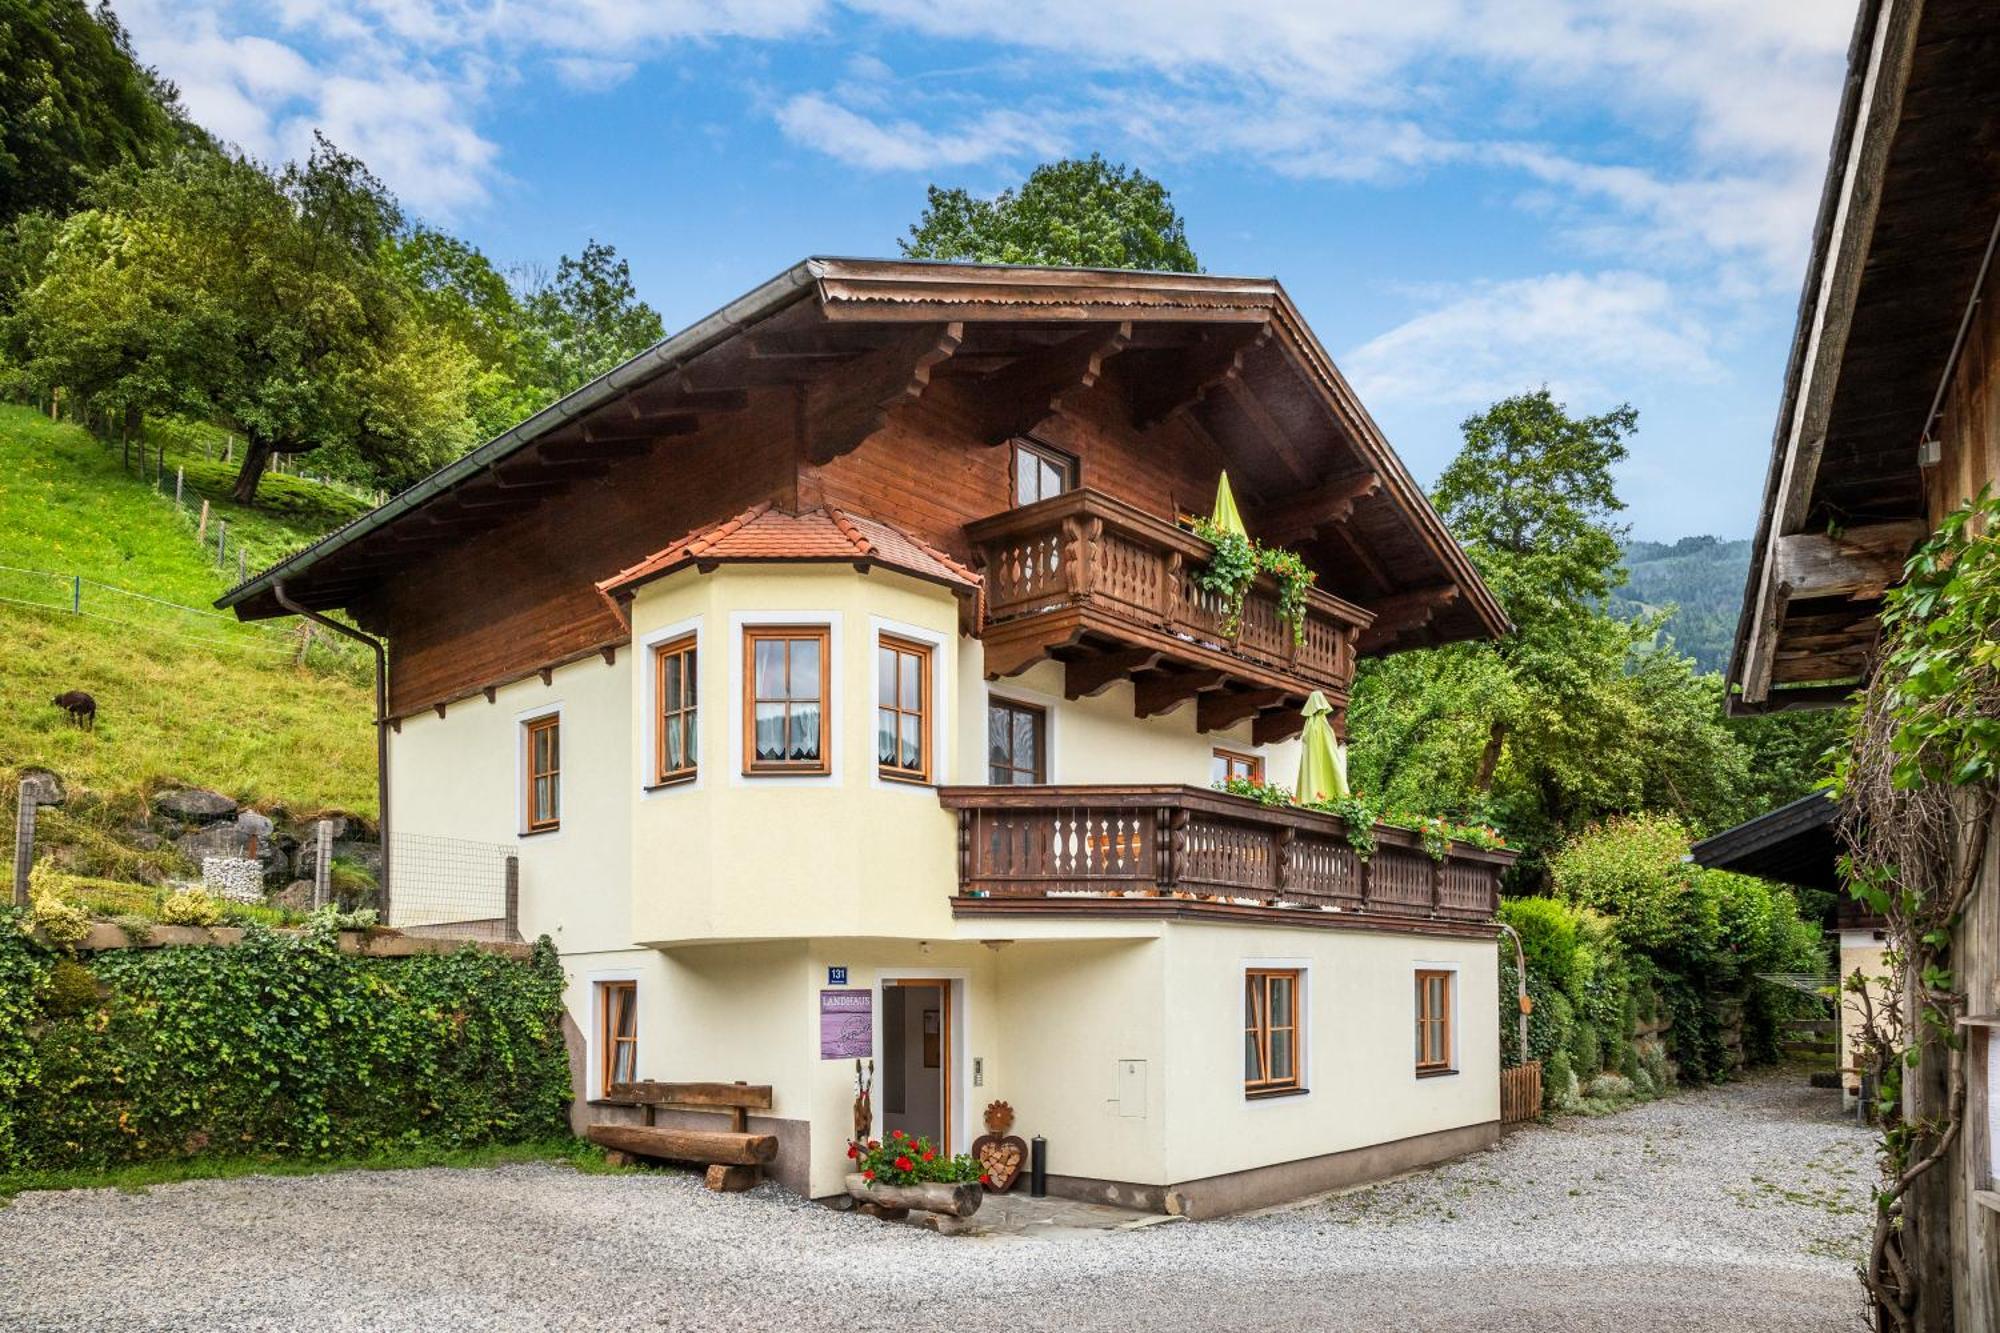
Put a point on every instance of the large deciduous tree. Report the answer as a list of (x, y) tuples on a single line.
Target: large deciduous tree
[(211, 287), (586, 320), (1078, 212), (1576, 715)]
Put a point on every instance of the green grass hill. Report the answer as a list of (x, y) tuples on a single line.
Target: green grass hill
[(185, 696)]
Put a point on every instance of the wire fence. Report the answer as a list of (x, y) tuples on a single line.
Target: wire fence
[(453, 887), (66, 593)]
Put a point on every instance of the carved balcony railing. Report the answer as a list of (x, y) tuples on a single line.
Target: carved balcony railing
[(1083, 845), (1083, 572)]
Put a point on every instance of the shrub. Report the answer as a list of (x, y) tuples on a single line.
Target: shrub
[(61, 924), (1548, 930), (1586, 1055), (71, 987), (279, 1045), (190, 907)]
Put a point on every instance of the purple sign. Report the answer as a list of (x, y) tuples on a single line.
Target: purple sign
[(846, 1024)]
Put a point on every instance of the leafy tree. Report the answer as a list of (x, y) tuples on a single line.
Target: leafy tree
[(587, 320), (459, 290), (209, 287), (1078, 212), (73, 102), (1577, 714)]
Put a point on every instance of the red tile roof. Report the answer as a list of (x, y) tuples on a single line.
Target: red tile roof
[(764, 532)]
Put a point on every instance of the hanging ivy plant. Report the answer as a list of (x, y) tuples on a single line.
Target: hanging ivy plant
[(1234, 567)]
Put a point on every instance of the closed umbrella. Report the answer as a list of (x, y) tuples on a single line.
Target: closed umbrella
[(1322, 759), (1225, 516)]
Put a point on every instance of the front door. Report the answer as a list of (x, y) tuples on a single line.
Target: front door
[(916, 1060)]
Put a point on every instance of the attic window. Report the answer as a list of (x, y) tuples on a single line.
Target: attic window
[(1041, 472)]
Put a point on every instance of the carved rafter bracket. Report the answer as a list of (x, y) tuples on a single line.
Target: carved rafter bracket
[(1398, 615), (1302, 518), (1031, 388), (1216, 360), (846, 409)]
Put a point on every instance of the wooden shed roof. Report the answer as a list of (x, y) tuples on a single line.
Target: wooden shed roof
[(1906, 217)]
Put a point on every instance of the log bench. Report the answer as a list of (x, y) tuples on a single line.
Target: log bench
[(735, 1157)]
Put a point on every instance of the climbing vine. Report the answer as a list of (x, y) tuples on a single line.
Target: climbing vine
[(1917, 789), (1235, 566)]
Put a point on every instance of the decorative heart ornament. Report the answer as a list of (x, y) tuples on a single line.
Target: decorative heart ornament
[(1000, 1158)]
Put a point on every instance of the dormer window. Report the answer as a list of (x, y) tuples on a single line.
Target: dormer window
[(1041, 472)]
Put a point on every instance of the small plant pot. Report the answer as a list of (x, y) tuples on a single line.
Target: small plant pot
[(955, 1200)]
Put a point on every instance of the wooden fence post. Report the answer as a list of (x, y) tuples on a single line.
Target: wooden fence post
[(201, 528), (76, 594), (323, 863), (221, 540), (24, 843), (513, 897), (180, 476)]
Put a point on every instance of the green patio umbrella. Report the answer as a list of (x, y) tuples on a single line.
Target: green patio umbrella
[(1225, 515), (1322, 759)]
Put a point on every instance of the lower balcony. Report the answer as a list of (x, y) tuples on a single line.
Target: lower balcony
[(1177, 851)]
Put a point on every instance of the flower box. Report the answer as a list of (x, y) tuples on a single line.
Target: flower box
[(953, 1199)]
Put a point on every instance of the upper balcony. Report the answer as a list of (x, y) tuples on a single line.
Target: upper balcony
[(1109, 590), (1177, 851)]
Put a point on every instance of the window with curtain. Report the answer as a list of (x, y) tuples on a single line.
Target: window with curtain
[(618, 1035), (1433, 1022), (1041, 472), (785, 699), (1271, 1030), (1016, 744), (675, 738), (1229, 765), (903, 709), (543, 798)]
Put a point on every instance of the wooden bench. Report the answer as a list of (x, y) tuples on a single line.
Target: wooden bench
[(735, 1157)]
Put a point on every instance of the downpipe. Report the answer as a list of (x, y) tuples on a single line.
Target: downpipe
[(374, 645)]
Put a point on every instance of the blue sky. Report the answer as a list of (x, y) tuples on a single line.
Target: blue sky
[(1465, 197)]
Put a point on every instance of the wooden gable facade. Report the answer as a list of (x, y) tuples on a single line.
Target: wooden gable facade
[(896, 390)]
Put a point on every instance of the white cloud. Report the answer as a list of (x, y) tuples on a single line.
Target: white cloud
[(905, 146), (588, 75), (1579, 333)]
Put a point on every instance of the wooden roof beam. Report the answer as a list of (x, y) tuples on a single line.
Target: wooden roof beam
[(1277, 724), (1276, 438), (1861, 562), (847, 408), (1398, 615), (1216, 360), (1330, 503), (1032, 387)]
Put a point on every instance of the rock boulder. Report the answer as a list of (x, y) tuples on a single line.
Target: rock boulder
[(193, 805)]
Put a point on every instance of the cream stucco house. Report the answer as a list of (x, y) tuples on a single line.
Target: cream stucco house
[(835, 671)]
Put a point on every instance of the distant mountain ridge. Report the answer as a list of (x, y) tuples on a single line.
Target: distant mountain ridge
[(1703, 577)]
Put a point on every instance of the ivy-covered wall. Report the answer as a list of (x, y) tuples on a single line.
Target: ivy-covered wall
[(280, 1045)]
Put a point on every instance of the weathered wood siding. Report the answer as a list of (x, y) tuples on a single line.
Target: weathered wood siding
[(1969, 435), (512, 600)]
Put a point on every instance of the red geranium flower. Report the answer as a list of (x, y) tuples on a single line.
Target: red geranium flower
[(874, 1143), (853, 1151), (897, 1135), (904, 1164), (929, 1155), (869, 1174), (985, 1179)]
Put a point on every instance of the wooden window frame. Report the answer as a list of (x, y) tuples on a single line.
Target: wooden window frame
[(768, 768), (685, 645), (1441, 1022), (529, 730), (1071, 469), (1041, 771), (1257, 1021), (924, 711), (609, 1041), (1231, 758)]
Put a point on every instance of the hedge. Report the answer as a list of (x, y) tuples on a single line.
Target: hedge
[(1634, 929), (280, 1045)]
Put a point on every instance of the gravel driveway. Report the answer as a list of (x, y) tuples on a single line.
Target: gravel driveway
[(1741, 1208)]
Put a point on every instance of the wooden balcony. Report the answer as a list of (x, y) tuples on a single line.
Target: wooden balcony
[(1109, 591), (1175, 851)]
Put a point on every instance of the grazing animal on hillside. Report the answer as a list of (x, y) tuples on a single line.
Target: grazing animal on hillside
[(82, 709)]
